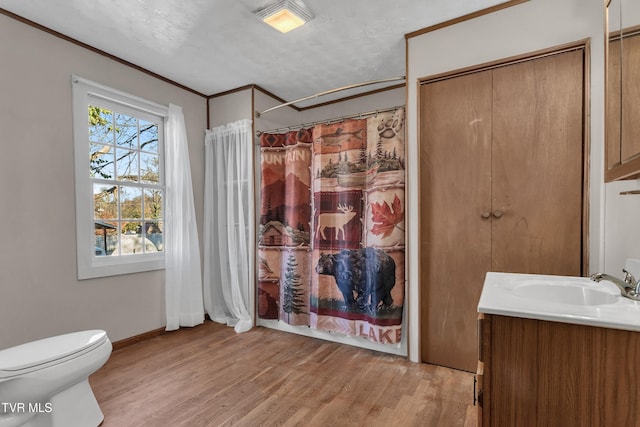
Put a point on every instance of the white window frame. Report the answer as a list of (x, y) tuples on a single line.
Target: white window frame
[(90, 265)]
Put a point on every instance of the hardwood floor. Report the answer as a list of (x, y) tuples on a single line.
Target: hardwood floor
[(211, 376)]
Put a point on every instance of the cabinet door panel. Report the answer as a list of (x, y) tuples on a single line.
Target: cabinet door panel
[(612, 110), (537, 165), (455, 176), (630, 127)]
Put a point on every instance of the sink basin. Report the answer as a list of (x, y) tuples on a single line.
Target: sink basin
[(566, 299), (565, 294)]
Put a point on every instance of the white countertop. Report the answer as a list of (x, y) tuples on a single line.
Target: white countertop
[(498, 297)]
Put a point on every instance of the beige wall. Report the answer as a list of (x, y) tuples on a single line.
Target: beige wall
[(527, 27), (281, 117), (39, 293), (377, 101), (230, 108)]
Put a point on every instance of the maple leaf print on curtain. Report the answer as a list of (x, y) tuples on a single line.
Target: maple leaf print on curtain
[(386, 218)]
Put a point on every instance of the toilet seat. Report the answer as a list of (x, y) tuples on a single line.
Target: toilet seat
[(39, 354)]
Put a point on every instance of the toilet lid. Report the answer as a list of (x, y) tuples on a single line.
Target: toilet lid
[(46, 350)]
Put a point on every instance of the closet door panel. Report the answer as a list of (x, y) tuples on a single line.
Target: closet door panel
[(538, 165), (455, 177)]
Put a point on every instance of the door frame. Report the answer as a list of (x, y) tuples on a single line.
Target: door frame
[(584, 45)]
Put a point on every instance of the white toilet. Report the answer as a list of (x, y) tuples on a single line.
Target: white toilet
[(45, 383)]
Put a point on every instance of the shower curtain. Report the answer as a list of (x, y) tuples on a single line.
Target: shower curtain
[(331, 231)]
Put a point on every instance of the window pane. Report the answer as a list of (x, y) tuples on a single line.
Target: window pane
[(150, 168), (132, 241), (106, 237), (130, 204), (100, 125), (153, 230), (126, 131), (127, 165), (101, 161), (105, 203), (148, 136), (131, 227), (153, 204)]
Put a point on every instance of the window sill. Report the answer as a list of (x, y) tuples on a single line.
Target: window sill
[(113, 266)]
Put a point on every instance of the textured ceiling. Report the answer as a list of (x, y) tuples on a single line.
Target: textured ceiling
[(213, 46)]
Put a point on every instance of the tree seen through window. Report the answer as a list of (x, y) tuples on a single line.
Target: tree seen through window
[(128, 194)]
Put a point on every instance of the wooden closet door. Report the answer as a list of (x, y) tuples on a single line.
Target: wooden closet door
[(455, 185), (509, 142), (538, 165)]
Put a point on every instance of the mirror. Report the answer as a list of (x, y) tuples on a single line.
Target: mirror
[(623, 89)]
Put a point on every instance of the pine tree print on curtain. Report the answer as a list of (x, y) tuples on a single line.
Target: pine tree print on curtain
[(294, 297)]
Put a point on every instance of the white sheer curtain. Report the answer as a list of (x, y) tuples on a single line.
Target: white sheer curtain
[(183, 277), (229, 224)]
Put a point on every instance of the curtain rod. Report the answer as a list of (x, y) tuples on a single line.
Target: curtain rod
[(330, 121), (392, 79)]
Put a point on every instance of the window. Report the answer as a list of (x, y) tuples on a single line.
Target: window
[(120, 190)]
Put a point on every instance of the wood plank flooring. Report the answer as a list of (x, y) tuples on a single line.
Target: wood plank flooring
[(211, 376)]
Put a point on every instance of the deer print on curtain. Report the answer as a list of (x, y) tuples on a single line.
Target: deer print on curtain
[(331, 235), (335, 220)]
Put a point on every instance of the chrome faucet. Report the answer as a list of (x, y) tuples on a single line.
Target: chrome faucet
[(629, 287)]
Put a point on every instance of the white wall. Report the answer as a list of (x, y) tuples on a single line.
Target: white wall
[(622, 226), (527, 27), (40, 295)]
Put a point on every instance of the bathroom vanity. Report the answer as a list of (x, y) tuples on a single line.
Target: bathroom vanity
[(557, 351)]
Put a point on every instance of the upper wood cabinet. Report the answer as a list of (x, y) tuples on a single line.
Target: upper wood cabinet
[(623, 91)]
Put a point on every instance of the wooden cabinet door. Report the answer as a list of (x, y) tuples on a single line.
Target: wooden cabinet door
[(537, 163), (630, 127), (623, 109), (455, 185), (543, 373), (612, 109), (501, 189)]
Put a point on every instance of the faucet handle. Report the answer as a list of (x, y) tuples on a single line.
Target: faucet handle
[(628, 278)]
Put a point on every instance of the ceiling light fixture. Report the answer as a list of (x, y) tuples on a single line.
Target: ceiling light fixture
[(284, 15)]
